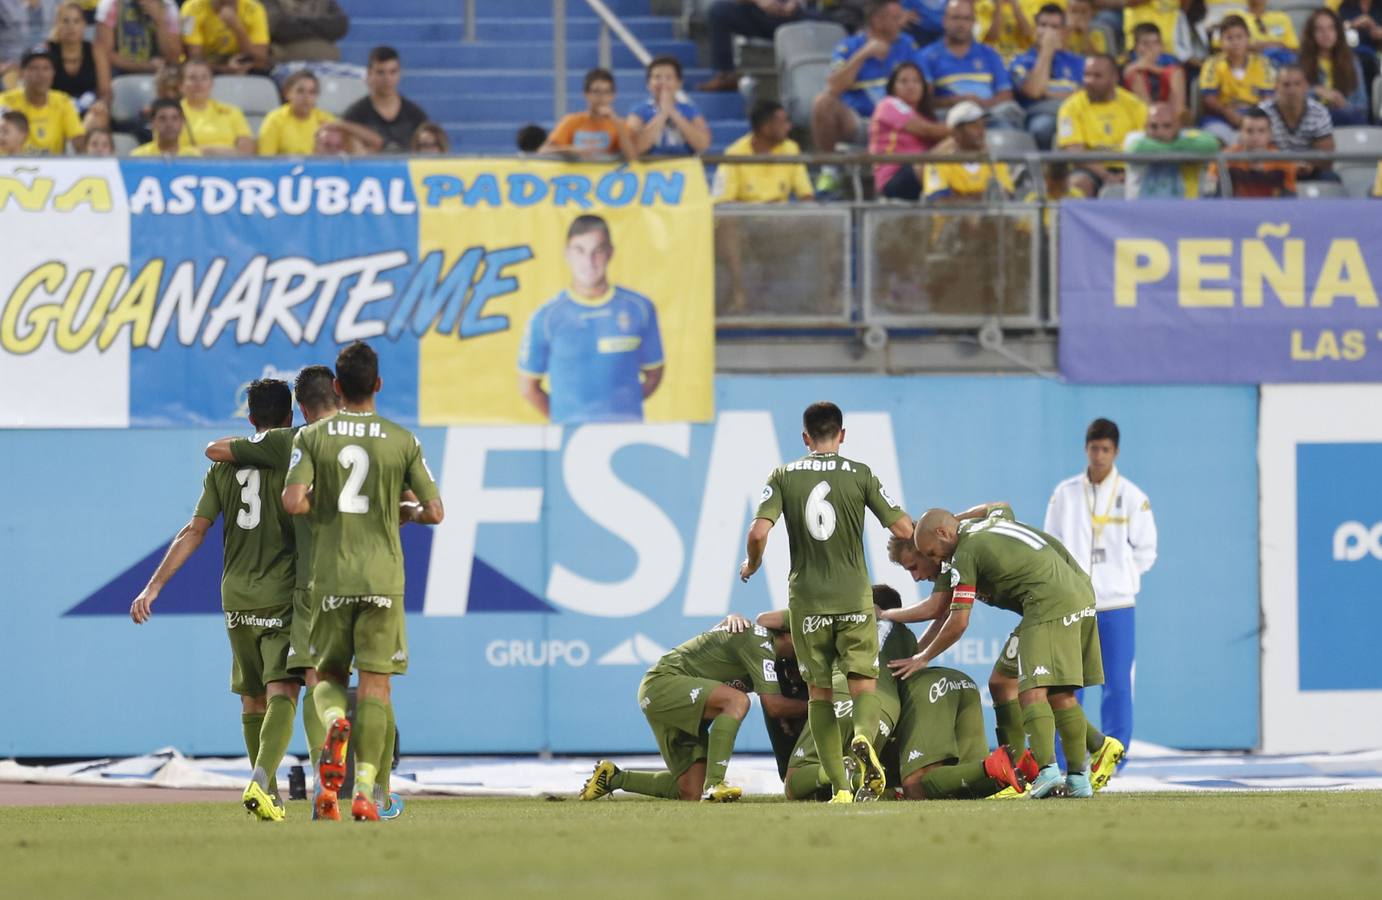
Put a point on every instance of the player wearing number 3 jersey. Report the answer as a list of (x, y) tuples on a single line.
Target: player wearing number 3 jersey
[(822, 497), (356, 464)]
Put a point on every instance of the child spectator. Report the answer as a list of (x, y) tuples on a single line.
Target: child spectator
[(52, 116), (663, 125), (138, 36), (1274, 178), (232, 34), (100, 142), (597, 131), (1232, 81), (1153, 74), (213, 127), (168, 125), (1164, 14), (14, 133), (385, 111), (305, 29), (530, 139), (902, 123), (1333, 71), (431, 138)]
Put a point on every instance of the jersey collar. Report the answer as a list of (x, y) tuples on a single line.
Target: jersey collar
[(601, 300)]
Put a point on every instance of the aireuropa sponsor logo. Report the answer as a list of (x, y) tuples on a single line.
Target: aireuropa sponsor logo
[(945, 685), (512, 653), (330, 603), (236, 619), (812, 624), (1086, 613), (1354, 541)]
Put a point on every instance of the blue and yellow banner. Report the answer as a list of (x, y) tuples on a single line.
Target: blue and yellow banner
[(1259, 291), (149, 293)]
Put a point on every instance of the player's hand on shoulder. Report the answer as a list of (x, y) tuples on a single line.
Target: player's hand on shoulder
[(735, 624), (906, 668)]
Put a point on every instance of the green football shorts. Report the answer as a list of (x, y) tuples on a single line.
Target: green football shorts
[(369, 630), (675, 708), (259, 643), (1063, 652), (846, 640), (299, 654), (942, 720), (1006, 664)]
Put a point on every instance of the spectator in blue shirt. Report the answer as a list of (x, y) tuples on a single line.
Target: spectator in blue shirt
[(960, 68), (1046, 74), (926, 20), (596, 344), (857, 81), (662, 125)]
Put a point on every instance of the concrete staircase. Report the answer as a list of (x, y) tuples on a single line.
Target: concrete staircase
[(483, 92)]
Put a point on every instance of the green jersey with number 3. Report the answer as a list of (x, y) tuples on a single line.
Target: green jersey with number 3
[(1013, 566), (257, 538), (271, 450), (357, 465), (822, 498)]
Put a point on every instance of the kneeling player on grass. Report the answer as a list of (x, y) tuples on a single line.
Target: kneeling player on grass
[(695, 715), (1017, 567), (256, 594)]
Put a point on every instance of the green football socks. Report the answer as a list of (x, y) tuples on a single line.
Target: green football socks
[(331, 702), (649, 784), (386, 758), (1073, 728), (1094, 739), (807, 783), (867, 710), (313, 728), (252, 724), (1040, 726), (829, 745), (967, 781), (371, 718), (723, 730), (275, 734), (1010, 733)]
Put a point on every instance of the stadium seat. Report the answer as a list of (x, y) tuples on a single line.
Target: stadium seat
[(1320, 190), (1009, 140), (1112, 192), (800, 85), (129, 95), (1359, 181), (124, 143), (254, 122), (254, 94), (805, 40), (1360, 137), (338, 93)]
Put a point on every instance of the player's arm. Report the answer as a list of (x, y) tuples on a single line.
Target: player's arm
[(902, 528), (950, 631), (530, 389), (929, 610), (219, 450), (182, 548), (297, 499), (982, 510), (652, 377), (757, 544), (421, 482), (773, 620), (780, 707)]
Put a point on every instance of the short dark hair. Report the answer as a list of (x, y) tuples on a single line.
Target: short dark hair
[(299, 75), (1106, 57), (885, 596), (165, 103), (31, 55), (1050, 9), (270, 402), (762, 113), (595, 75), (382, 54), (1234, 22), (531, 138), (1290, 67), (1145, 28), (1255, 112), (16, 118), (314, 390), (357, 371), (874, 7), (586, 224), (822, 420), (1101, 430), (656, 61)]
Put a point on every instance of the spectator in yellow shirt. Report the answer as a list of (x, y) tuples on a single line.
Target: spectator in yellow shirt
[(1272, 33), (965, 182), (1080, 35), (1233, 81), (14, 132), (232, 34), (1008, 26), (213, 127), (52, 116), (291, 130), (168, 122), (768, 183), (1099, 117), (1164, 14)]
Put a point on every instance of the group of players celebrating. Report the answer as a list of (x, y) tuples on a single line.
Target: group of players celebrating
[(312, 583), (870, 685)]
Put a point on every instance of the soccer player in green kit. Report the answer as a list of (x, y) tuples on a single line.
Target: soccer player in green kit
[(684, 692), (347, 472), (256, 594), (1014, 566), (822, 497)]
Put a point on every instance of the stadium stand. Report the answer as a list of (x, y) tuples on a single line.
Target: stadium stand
[(256, 95), (337, 93)]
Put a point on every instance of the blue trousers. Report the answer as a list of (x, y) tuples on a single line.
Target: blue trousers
[(1117, 641)]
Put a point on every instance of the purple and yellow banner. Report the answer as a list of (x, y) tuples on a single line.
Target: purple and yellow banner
[(1233, 291)]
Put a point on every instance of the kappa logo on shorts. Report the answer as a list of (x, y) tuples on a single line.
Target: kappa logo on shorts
[(400, 656), (915, 754), (1041, 670), (801, 752), (695, 692)]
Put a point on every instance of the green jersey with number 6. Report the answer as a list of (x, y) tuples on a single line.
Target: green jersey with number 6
[(357, 465), (1013, 566), (822, 498), (257, 538)]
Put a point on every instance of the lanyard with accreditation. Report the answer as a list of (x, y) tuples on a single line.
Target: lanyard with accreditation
[(1098, 523)]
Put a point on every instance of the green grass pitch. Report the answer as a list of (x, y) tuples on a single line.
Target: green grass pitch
[(1168, 846)]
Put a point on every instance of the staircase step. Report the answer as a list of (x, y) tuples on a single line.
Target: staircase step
[(529, 9), (515, 55)]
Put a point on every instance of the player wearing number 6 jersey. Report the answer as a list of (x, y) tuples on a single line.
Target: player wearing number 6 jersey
[(256, 594), (822, 497), (355, 465)]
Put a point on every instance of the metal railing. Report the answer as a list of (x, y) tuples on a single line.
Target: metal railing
[(609, 25)]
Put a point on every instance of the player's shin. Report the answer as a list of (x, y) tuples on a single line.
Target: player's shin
[(371, 719), (829, 745), (274, 737), (1040, 725), (386, 757), (312, 726), (1071, 724), (1009, 728), (723, 732), (966, 781), (649, 784), (807, 783), (252, 724)]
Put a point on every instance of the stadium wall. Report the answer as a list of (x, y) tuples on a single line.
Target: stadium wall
[(569, 560)]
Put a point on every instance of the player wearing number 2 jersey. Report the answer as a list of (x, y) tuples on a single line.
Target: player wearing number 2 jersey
[(356, 464), (823, 497), (256, 594)]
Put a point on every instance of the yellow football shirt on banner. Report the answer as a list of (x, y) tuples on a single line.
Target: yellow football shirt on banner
[(564, 293)]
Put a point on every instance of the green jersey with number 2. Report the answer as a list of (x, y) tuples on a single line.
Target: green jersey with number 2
[(357, 465), (257, 539), (822, 498)]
